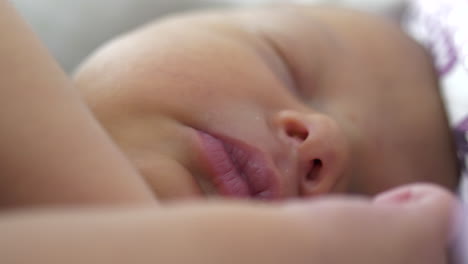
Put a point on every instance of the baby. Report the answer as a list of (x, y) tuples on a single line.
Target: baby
[(272, 103), (45, 162)]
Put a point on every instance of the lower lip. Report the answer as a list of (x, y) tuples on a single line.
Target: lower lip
[(236, 170)]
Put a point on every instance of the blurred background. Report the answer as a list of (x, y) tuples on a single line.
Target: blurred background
[(72, 29)]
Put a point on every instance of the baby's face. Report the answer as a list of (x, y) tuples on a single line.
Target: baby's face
[(272, 103)]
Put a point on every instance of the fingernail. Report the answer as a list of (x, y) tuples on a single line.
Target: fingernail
[(410, 194), (396, 196)]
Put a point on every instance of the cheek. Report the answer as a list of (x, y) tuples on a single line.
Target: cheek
[(168, 179), (379, 167)]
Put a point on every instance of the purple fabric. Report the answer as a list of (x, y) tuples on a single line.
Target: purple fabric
[(440, 36), (440, 26), (460, 134)]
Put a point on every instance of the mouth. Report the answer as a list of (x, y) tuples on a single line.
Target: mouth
[(236, 169)]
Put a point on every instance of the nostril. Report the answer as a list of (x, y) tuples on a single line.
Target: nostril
[(296, 131), (314, 172)]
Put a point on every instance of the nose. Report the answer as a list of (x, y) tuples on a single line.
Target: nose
[(321, 147)]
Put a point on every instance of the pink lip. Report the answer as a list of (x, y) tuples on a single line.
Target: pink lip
[(237, 169)]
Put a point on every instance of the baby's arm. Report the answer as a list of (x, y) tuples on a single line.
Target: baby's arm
[(409, 225), (52, 151)]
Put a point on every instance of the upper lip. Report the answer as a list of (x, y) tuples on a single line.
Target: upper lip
[(237, 169)]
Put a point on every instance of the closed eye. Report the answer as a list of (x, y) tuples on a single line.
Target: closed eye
[(290, 78)]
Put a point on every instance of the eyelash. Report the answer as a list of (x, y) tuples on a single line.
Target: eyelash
[(292, 84)]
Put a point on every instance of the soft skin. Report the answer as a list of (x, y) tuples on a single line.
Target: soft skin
[(55, 153), (407, 225), (44, 161), (297, 83), (47, 162)]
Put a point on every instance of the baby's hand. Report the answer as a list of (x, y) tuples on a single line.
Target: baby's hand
[(409, 225), (412, 224)]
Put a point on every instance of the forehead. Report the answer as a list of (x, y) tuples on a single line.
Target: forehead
[(227, 51), (177, 59)]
